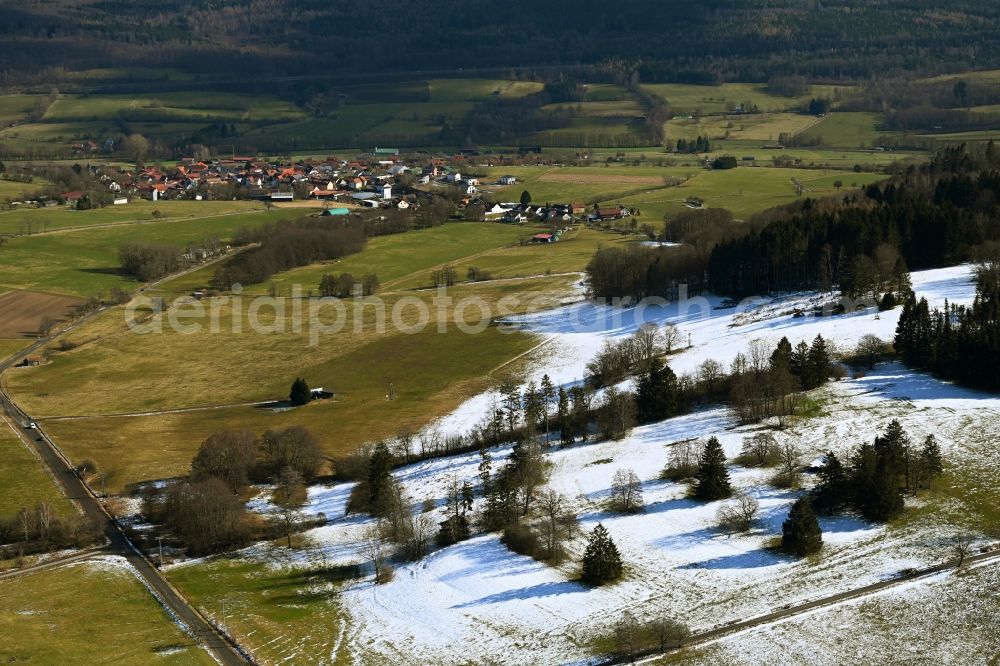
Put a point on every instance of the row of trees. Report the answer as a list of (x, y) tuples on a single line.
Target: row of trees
[(956, 342), (289, 244), (346, 285), (148, 261), (877, 475), (42, 529), (206, 511)]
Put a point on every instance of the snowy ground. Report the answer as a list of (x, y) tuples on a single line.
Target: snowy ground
[(477, 602), (901, 626), (574, 334)]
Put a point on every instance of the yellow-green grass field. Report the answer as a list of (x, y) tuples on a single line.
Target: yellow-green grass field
[(570, 254), (605, 92), (278, 615), (119, 372), (178, 106), (744, 190), (589, 184), (466, 90), (602, 108), (89, 614), (400, 255), (688, 99), (13, 107), (35, 220), (84, 262), (11, 346), (14, 190), (23, 480), (764, 128), (848, 129)]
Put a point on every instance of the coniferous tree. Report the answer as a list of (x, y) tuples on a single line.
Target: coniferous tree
[(712, 478), (801, 533), (798, 362), (548, 393), (782, 356), (602, 562), (929, 465), (819, 365), (833, 492), (379, 478), (485, 468), (656, 395), (299, 394), (566, 432)]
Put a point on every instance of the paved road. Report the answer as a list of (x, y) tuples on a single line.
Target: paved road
[(117, 542)]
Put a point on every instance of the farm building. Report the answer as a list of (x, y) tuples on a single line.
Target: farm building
[(330, 212), (507, 180), (545, 238), (282, 196)]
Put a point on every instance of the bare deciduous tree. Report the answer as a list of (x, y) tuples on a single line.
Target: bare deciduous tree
[(789, 463), (558, 522), (669, 633), (760, 450), (626, 491), (671, 337), (738, 514), (962, 547), (376, 550), (709, 373), (646, 344)]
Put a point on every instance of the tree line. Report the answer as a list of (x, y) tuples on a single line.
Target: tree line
[(206, 512), (956, 342), (288, 244)]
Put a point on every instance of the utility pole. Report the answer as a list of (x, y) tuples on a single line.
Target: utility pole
[(159, 538)]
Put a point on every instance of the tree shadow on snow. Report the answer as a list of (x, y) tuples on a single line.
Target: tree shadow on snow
[(754, 559), (525, 593)]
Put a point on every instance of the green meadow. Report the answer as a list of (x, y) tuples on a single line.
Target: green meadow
[(89, 614)]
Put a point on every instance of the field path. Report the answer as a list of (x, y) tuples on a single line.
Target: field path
[(991, 556), (222, 648), (127, 223)]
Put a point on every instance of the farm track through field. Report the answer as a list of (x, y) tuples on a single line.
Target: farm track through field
[(55, 563), (222, 648), (129, 223), (702, 638), (155, 412)]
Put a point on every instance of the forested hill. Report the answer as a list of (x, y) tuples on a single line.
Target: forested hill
[(697, 41), (938, 214)]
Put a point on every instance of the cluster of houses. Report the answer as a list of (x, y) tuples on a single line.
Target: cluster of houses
[(377, 179), (555, 214)]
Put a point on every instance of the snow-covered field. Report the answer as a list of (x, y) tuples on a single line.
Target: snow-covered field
[(574, 334), (477, 602), (951, 619)]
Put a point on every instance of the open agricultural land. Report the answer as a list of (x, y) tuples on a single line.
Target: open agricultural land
[(679, 564), (84, 262), (25, 481), (426, 513), (358, 366), (96, 612)]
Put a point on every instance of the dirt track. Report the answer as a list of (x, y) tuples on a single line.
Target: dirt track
[(21, 312)]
